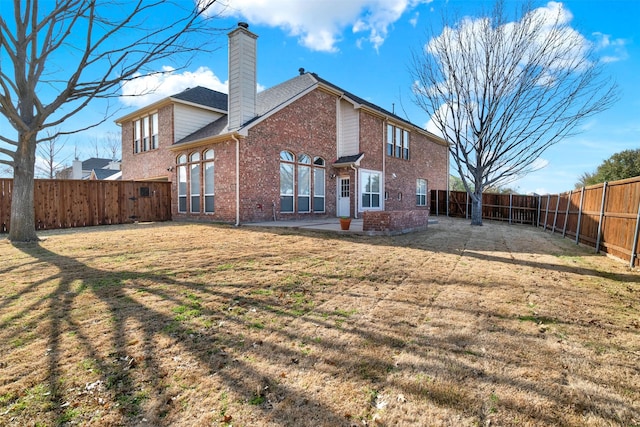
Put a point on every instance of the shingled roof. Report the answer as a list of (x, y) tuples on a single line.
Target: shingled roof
[(203, 96), (267, 101)]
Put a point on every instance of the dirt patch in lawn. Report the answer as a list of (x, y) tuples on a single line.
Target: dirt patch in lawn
[(191, 324)]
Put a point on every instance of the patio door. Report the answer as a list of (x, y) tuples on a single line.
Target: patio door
[(344, 196)]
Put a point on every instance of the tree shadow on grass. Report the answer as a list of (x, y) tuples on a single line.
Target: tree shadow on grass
[(134, 382)]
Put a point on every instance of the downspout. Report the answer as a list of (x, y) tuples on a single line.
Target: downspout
[(355, 187), (384, 163), (237, 179)]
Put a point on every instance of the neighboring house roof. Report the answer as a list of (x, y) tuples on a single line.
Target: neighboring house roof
[(95, 163), (106, 174)]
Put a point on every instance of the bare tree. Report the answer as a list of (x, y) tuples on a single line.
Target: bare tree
[(49, 153), (113, 145), (59, 56), (502, 92), (5, 171), (95, 146)]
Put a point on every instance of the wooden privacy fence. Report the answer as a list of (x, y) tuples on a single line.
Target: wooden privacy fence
[(605, 216), (80, 203), (513, 208)]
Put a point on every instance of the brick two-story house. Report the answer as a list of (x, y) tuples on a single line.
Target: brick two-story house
[(304, 148)]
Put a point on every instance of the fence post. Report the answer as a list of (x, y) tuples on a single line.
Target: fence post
[(448, 200), (539, 203), (510, 206), (555, 215), (437, 213), (579, 216), (466, 207), (635, 240), (604, 193), (546, 211), (566, 214)]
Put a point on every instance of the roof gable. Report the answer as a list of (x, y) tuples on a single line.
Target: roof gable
[(203, 96), (270, 101)]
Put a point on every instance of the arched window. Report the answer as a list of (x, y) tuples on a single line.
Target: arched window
[(286, 181), (304, 183), (209, 189), (182, 182), (194, 177), (318, 184), (303, 178)]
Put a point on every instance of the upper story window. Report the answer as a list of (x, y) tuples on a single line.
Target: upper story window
[(397, 142), (145, 133)]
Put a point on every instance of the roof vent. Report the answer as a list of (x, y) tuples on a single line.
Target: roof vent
[(243, 25), (301, 70)]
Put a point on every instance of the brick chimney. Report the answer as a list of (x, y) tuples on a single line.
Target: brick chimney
[(242, 76)]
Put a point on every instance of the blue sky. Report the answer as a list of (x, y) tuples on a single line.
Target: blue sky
[(364, 46)]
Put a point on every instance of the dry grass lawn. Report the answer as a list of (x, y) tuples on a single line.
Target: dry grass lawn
[(178, 324)]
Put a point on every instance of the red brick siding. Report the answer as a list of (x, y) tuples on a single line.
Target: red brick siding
[(393, 222), (224, 184), (305, 127), (371, 134), (153, 163), (427, 160)]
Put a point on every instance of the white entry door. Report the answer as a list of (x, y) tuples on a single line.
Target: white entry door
[(344, 196)]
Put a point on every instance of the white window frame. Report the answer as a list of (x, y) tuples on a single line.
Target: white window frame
[(421, 192), (363, 173), (303, 166), (397, 142), (137, 136), (154, 131), (319, 191), (289, 192), (405, 144), (208, 181), (194, 187), (182, 182), (145, 133)]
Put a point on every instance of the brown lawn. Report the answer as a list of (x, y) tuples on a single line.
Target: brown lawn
[(190, 324)]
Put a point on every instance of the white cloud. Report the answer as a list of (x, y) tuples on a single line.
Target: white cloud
[(318, 24), (414, 21), (144, 90), (613, 50)]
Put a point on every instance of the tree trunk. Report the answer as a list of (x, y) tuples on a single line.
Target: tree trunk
[(22, 227), (476, 208)]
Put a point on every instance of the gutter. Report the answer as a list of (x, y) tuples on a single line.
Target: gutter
[(355, 187), (237, 179)]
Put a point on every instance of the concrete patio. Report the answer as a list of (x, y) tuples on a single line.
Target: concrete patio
[(326, 224)]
